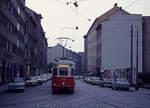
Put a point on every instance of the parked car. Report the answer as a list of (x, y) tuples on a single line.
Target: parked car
[(81, 77), (120, 84), (39, 80), (77, 77), (31, 81), (49, 76), (87, 79), (106, 82), (44, 78), (95, 80), (17, 84)]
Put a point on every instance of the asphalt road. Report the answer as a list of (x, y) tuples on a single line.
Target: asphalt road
[(85, 96)]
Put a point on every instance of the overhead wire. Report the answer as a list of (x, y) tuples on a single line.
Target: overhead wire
[(79, 13), (131, 4)]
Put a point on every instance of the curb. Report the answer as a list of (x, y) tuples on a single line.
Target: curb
[(3, 88)]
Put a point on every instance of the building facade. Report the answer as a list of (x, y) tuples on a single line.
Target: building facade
[(146, 47), (12, 32), (93, 41), (85, 55), (35, 45), (22, 41), (120, 41)]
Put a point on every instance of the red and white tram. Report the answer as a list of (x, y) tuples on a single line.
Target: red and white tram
[(63, 76)]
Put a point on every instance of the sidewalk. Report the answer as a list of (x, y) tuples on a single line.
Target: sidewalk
[(3, 88), (146, 86), (143, 91)]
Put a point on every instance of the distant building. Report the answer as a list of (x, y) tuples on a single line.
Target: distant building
[(57, 51), (53, 52), (81, 62)]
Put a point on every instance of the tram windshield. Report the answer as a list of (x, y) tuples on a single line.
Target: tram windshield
[(63, 72)]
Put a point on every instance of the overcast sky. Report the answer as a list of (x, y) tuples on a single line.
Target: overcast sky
[(60, 19)]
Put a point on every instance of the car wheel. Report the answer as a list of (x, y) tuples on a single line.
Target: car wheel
[(99, 85), (127, 89), (114, 88)]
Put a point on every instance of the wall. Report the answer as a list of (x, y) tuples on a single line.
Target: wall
[(146, 48), (116, 41)]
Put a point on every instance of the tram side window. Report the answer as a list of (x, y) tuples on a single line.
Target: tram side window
[(63, 72), (72, 71), (55, 71)]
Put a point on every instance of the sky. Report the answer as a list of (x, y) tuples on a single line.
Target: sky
[(60, 19)]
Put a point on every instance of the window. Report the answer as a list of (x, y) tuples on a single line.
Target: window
[(10, 27), (35, 51), (10, 47), (4, 43), (7, 47), (18, 26), (8, 5), (18, 10), (18, 43)]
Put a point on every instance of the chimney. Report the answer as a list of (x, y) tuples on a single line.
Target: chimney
[(115, 5), (120, 8)]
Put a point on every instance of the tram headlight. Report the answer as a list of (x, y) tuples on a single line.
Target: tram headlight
[(54, 84), (63, 83)]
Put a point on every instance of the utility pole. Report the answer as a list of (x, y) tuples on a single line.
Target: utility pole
[(131, 55), (136, 87)]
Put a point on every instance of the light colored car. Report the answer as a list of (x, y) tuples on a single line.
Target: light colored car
[(106, 82), (120, 84), (81, 77), (39, 80), (44, 77), (77, 77), (17, 84), (49, 76), (87, 79), (95, 80), (31, 81)]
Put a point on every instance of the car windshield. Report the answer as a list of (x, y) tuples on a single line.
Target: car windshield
[(95, 78), (122, 80), (63, 72), (38, 77), (33, 78), (17, 80)]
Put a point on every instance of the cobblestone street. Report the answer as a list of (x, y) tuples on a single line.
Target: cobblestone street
[(85, 96)]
